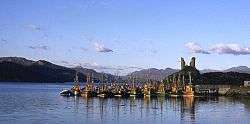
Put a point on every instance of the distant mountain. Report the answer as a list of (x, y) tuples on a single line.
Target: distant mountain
[(17, 69), (86, 71), (17, 60), (208, 70), (96, 75), (153, 73), (240, 69)]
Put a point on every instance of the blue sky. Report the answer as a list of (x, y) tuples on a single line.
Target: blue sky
[(127, 35)]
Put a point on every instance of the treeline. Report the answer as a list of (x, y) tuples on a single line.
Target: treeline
[(233, 78), (216, 78)]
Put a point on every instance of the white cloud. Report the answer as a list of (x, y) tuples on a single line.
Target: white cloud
[(3, 42), (64, 62), (83, 49), (95, 66), (195, 48), (38, 47), (100, 48), (123, 70), (33, 27), (234, 49), (97, 45)]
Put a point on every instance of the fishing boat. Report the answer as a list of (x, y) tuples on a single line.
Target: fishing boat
[(174, 91), (132, 90), (136, 92), (161, 89), (88, 90), (119, 91), (116, 90), (102, 90), (146, 90), (76, 90), (188, 90), (124, 91)]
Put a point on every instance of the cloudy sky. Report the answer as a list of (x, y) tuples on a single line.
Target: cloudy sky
[(126, 35)]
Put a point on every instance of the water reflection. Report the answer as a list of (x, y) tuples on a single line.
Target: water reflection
[(136, 109), (19, 105), (143, 110), (188, 108)]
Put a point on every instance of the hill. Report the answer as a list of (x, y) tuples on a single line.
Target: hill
[(239, 69), (153, 73), (96, 75), (216, 78), (17, 69), (209, 70), (234, 78)]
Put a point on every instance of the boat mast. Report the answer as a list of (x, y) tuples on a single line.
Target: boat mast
[(88, 79), (190, 78), (133, 82), (76, 81), (102, 81), (183, 79)]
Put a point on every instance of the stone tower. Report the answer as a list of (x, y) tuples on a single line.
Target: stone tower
[(192, 62), (183, 64)]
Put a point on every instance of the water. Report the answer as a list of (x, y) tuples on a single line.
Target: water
[(41, 104)]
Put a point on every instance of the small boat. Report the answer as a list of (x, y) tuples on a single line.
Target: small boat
[(66, 93), (74, 91), (103, 95), (118, 95)]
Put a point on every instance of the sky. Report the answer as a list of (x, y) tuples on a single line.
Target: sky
[(120, 36)]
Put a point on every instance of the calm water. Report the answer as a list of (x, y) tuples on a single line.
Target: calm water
[(40, 104)]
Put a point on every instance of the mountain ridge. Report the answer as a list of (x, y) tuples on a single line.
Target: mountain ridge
[(43, 65), (151, 72), (18, 69)]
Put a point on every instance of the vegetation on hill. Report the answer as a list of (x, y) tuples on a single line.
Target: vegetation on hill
[(35, 71), (17, 69), (152, 73), (233, 78), (195, 75), (216, 78)]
